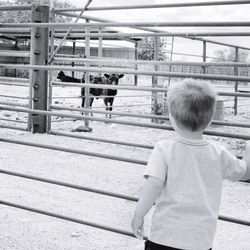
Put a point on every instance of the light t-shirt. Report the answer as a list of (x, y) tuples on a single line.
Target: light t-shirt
[(187, 208)]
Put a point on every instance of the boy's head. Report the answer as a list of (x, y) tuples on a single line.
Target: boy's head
[(191, 103)]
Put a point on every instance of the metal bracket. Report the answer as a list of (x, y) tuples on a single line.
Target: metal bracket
[(37, 52)]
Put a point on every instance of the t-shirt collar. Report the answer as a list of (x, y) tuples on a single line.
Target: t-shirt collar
[(192, 142)]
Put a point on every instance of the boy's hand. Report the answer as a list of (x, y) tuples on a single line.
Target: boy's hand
[(137, 227)]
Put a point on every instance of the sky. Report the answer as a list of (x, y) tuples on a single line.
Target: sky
[(208, 13)]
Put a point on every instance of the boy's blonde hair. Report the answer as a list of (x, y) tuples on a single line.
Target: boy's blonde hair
[(192, 103)]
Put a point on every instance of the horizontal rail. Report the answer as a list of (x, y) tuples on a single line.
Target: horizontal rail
[(154, 6), (14, 79), (92, 138), (15, 7), (13, 127), (14, 84), (134, 88), (11, 53), (102, 192), (14, 104), (16, 97), (11, 120), (139, 124), (126, 61), (164, 34), (67, 218), (128, 24), (126, 71), (14, 30), (74, 151), (97, 19), (162, 117), (69, 185), (106, 86)]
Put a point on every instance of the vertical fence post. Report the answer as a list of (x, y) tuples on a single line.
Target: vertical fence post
[(87, 55), (73, 52), (204, 56), (136, 65), (236, 73), (39, 78), (100, 49), (154, 104), (51, 51)]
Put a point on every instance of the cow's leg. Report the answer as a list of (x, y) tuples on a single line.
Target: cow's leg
[(90, 104), (111, 101), (106, 105), (83, 97)]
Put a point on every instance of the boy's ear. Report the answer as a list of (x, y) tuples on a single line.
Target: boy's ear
[(107, 75), (121, 75)]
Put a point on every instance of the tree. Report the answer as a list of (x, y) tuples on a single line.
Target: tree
[(146, 47), (23, 16), (228, 55)]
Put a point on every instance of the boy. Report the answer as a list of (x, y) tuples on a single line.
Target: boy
[(184, 175)]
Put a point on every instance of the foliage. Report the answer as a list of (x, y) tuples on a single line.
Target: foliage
[(22, 16), (146, 49), (229, 55)]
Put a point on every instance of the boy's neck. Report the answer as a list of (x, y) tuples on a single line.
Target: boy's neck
[(186, 134)]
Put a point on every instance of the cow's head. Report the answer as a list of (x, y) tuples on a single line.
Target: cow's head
[(60, 75), (114, 78)]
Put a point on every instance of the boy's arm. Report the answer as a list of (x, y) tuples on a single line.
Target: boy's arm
[(150, 192), (246, 158)]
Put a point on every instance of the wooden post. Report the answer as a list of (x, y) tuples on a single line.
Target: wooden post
[(204, 56), (154, 105), (39, 78), (236, 73), (136, 65)]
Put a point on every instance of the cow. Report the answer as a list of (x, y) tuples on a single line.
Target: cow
[(65, 78), (108, 94)]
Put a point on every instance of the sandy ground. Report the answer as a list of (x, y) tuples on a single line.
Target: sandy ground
[(26, 230)]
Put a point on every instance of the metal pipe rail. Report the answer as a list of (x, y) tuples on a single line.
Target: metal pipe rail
[(69, 185), (14, 84), (98, 191), (73, 84), (14, 79), (74, 151), (126, 24), (154, 6), (10, 120), (14, 104), (13, 30), (139, 124), (126, 71), (16, 97), (162, 117), (92, 138), (12, 53), (126, 61), (67, 218), (97, 19), (164, 34), (13, 127)]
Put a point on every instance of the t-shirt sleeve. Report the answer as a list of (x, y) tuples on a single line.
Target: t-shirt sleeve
[(156, 166), (234, 168)]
